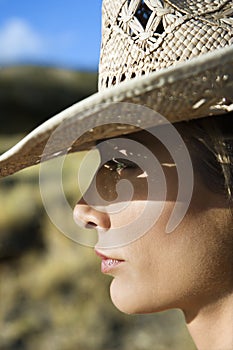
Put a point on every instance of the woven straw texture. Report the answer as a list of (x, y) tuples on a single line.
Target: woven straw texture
[(140, 37)]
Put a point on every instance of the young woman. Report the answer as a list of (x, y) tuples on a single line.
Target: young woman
[(190, 268), (184, 51)]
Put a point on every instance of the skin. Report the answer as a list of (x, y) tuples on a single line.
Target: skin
[(190, 269)]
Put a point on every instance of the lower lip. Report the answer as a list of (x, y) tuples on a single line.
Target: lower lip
[(109, 264)]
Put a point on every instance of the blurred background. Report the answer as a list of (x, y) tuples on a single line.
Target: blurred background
[(52, 294)]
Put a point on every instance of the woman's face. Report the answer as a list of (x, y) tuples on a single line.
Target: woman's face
[(159, 270)]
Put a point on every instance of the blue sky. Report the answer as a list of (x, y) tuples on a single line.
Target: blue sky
[(64, 33)]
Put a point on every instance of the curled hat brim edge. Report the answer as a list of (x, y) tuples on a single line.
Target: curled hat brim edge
[(197, 88)]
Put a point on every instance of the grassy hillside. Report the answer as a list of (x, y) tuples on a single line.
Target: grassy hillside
[(30, 95)]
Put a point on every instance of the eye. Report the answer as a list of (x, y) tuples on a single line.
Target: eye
[(119, 164)]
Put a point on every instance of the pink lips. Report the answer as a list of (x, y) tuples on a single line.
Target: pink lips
[(108, 263)]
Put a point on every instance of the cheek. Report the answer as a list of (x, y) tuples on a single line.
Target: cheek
[(125, 213), (193, 261), (177, 270), (139, 287)]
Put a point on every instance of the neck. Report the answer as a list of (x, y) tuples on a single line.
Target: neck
[(212, 326)]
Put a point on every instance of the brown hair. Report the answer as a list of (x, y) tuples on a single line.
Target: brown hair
[(210, 142)]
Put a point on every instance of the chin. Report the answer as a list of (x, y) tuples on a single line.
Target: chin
[(129, 301), (122, 298)]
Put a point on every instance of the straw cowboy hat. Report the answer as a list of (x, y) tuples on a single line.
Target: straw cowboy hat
[(173, 56)]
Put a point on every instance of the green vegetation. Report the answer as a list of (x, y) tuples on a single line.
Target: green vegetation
[(30, 95), (52, 294)]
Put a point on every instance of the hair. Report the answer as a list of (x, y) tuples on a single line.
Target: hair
[(210, 142)]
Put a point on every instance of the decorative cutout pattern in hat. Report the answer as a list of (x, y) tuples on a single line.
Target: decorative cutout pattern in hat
[(142, 36)]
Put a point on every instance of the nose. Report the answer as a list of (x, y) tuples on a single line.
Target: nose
[(88, 217)]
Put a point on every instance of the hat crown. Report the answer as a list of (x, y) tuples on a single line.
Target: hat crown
[(142, 36)]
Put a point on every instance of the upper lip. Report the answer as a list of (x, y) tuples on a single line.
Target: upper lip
[(104, 257)]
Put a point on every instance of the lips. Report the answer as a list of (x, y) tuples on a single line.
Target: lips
[(108, 263)]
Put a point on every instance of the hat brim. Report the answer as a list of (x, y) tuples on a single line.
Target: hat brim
[(197, 88)]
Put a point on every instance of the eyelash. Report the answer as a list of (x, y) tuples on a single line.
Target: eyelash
[(119, 164)]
